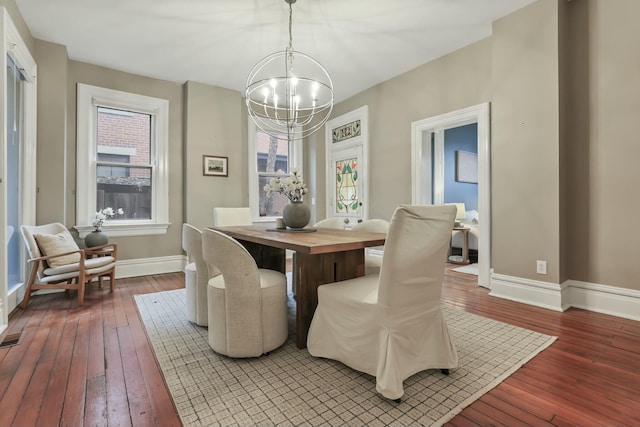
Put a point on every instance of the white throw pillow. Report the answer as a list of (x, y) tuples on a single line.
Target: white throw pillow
[(54, 244)]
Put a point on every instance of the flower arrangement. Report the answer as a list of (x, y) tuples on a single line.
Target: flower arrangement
[(103, 215), (291, 185)]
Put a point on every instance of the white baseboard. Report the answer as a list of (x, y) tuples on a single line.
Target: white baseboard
[(532, 292), (605, 299), (147, 266)]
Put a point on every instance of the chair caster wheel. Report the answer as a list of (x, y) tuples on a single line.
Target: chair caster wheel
[(444, 371)]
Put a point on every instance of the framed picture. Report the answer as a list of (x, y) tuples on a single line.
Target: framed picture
[(466, 167), (215, 166)]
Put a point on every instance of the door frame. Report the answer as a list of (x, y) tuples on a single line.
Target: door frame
[(14, 45), (421, 171)]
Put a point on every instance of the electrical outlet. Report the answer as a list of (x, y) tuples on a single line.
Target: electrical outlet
[(541, 267)]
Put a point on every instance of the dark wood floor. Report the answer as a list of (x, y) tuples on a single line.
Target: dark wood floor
[(93, 365)]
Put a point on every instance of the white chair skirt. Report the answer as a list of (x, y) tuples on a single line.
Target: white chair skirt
[(348, 324)]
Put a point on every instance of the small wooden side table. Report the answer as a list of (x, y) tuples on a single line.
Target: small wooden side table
[(465, 246)]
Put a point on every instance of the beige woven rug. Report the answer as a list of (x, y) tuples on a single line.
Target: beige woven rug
[(290, 388)]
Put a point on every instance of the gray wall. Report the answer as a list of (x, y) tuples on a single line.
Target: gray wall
[(213, 126), (562, 81), (525, 142), (605, 126), (16, 17), (455, 81), (53, 69)]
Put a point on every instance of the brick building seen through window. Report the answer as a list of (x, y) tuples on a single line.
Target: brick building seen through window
[(123, 171)]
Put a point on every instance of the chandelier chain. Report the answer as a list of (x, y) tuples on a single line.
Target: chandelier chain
[(290, 24)]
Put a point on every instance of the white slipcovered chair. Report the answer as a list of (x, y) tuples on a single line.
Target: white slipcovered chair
[(334, 222), (391, 326), (247, 305), (58, 262), (196, 276), (372, 263), (223, 217)]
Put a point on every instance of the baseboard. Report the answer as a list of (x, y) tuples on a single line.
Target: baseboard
[(147, 266), (599, 298), (605, 299), (532, 292), (612, 300)]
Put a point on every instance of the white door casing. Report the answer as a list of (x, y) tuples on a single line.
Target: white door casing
[(14, 46), (421, 182)]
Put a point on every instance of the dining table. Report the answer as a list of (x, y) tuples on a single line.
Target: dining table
[(320, 256)]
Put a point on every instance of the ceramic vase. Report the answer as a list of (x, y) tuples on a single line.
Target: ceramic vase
[(296, 215), (96, 238)]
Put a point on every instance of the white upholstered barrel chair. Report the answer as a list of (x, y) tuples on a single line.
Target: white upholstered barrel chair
[(57, 262), (391, 325), (247, 305), (334, 222), (223, 217), (372, 263), (196, 276)]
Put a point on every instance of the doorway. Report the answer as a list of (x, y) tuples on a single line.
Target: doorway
[(423, 166), (346, 142)]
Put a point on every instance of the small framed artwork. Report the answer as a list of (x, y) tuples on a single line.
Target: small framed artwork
[(215, 166), (466, 167)]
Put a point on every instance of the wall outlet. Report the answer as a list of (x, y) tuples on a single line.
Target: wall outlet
[(541, 267)]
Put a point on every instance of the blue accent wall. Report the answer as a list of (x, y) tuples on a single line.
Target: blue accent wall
[(463, 138)]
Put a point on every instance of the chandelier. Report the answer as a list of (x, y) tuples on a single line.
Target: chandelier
[(289, 94)]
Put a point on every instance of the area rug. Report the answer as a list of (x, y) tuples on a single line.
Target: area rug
[(467, 269), (288, 387)]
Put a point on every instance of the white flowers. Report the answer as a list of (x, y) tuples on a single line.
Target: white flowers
[(103, 215), (291, 186)]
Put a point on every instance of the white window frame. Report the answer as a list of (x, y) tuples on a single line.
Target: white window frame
[(89, 99), (297, 160)]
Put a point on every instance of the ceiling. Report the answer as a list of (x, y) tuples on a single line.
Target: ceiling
[(360, 42)]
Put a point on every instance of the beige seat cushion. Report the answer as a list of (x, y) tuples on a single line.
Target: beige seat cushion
[(54, 244), (89, 264)]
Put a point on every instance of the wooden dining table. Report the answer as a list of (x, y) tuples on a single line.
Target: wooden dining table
[(323, 256)]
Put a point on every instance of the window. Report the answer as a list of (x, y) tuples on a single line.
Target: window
[(267, 156), (122, 161)]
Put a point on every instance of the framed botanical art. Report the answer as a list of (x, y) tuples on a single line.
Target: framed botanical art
[(215, 165)]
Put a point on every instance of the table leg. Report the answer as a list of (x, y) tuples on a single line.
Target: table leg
[(465, 247), (267, 256), (315, 270)]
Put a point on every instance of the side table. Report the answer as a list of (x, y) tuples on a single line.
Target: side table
[(465, 247)]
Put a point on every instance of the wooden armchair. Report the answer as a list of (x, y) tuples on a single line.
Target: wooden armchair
[(58, 263)]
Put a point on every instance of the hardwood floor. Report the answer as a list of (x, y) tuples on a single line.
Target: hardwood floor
[(93, 365)]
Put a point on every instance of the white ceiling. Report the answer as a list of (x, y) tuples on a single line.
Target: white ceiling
[(360, 42)]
